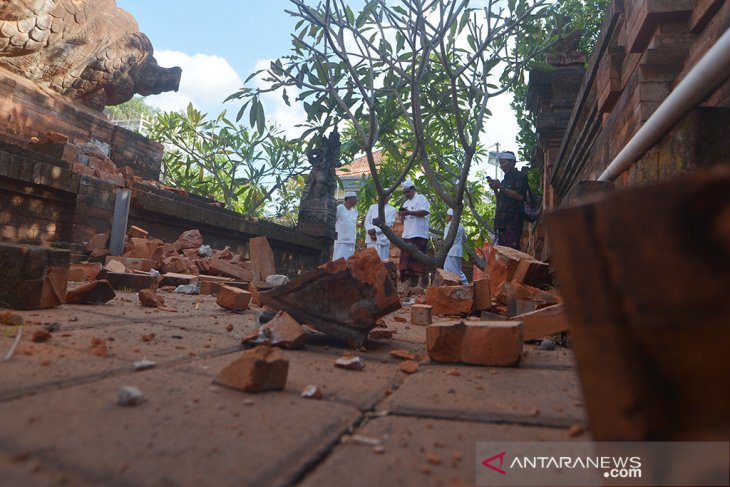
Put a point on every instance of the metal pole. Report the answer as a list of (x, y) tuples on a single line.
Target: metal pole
[(119, 221), (700, 82)]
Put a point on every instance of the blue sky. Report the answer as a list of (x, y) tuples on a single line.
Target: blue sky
[(218, 43)]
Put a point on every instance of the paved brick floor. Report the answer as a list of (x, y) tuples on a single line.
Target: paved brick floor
[(60, 424)]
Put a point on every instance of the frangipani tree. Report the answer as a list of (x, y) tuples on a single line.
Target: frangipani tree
[(412, 77)]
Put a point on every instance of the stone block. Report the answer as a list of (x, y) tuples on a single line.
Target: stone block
[(445, 278), (233, 298), (421, 315), (482, 295), (97, 292), (450, 300), (257, 370), (488, 343), (33, 277)]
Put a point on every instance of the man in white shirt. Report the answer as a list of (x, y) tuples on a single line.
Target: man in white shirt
[(375, 238), (456, 252), (414, 214), (346, 227)]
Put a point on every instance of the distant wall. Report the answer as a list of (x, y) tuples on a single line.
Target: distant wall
[(43, 202)]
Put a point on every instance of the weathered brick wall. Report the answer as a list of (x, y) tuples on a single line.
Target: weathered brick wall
[(645, 49), (26, 111), (43, 202)]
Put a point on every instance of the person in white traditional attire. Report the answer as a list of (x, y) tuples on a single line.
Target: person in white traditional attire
[(414, 214), (456, 252), (375, 238), (346, 227)]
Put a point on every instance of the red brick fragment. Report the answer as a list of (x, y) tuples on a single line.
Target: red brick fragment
[(192, 239), (491, 343), (450, 300), (97, 292), (421, 314), (285, 331), (445, 278), (233, 298), (260, 369), (151, 299), (408, 367)]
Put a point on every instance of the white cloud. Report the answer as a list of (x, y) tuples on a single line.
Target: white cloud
[(206, 81)]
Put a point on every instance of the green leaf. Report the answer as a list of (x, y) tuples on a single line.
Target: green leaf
[(253, 112), (260, 118)]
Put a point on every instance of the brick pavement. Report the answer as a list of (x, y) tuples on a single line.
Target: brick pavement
[(60, 424)]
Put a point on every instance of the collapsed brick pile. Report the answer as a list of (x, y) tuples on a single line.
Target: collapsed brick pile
[(183, 262)]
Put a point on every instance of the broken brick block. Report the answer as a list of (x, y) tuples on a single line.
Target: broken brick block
[(262, 258), (343, 298), (450, 300), (421, 315), (285, 331), (543, 322), (33, 277), (503, 264), (226, 268), (115, 266), (131, 264), (125, 281), (100, 241), (482, 295), (408, 367), (84, 272), (142, 248), (192, 239), (443, 277), (210, 285), (175, 279), (151, 299), (257, 370), (175, 265), (233, 298), (97, 292), (136, 232), (489, 343)]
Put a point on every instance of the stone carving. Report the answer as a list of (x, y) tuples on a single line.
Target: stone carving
[(88, 50), (318, 207)]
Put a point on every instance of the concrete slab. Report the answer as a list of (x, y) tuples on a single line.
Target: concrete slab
[(502, 395), (21, 469), (189, 432), (409, 443), (37, 367), (169, 343)]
